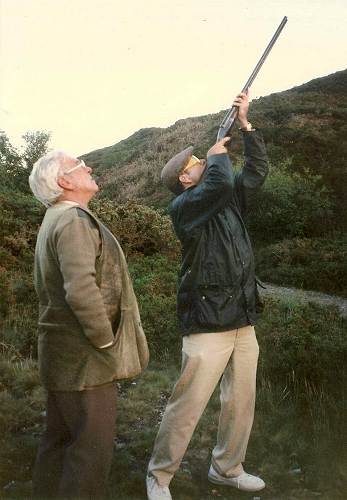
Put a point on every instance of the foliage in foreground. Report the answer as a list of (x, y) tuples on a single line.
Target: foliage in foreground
[(300, 403)]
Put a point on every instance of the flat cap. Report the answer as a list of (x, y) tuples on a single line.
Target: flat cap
[(170, 173)]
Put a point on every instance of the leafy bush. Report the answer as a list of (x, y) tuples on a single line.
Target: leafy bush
[(303, 346), (154, 281), (290, 205), (140, 230), (15, 166), (313, 264), (21, 215)]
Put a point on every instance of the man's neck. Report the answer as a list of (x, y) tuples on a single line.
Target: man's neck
[(73, 197)]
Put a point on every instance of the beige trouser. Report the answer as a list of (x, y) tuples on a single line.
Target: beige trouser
[(205, 358)]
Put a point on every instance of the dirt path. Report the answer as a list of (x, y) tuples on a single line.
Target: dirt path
[(306, 296)]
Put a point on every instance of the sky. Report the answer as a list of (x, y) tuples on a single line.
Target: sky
[(92, 72)]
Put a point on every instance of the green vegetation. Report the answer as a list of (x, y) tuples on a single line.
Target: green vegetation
[(143, 232), (140, 229), (154, 281), (296, 443), (18, 310), (304, 127), (303, 198), (311, 264), (290, 205), (298, 225), (21, 215), (15, 165)]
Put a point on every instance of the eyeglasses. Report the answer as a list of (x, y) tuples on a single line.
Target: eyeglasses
[(80, 164), (192, 162)]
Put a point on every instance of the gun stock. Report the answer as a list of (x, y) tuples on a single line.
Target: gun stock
[(229, 119)]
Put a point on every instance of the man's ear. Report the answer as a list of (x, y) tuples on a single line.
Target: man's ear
[(185, 179), (64, 183)]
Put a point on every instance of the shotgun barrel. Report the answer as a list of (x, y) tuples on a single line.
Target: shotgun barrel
[(229, 119)]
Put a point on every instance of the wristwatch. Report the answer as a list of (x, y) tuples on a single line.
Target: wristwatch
[(247, 128)]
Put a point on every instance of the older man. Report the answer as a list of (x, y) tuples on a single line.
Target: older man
[(217, 309), (78, 270)]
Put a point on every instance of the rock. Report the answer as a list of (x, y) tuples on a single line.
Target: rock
[(9, 485), (296, 470)]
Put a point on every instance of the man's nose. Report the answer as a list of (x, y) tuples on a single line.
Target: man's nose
[(89, 170)]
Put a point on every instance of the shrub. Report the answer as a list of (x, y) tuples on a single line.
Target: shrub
[(140, 230), (313, 264), (154, 281), (303, 346), (290, 205), (21, 215), (14, 414), (19, 311)]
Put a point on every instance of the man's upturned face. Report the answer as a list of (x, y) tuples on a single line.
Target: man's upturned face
[(192, 174), (80, 176), (195, 172)]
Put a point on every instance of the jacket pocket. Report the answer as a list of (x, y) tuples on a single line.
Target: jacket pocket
[(111, 298), (214, 306)]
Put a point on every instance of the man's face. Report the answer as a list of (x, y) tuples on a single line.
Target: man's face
[(79, 175), (192, 175)]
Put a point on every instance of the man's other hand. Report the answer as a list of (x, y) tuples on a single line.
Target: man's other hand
[(219, 147)]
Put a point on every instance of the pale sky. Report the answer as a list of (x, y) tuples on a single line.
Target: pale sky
[(94, 71)]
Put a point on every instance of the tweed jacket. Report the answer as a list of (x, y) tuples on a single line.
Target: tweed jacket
[(78, 282)]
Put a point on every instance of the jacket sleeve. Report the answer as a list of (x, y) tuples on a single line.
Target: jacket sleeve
[(255, 169), (197, 205), (77, 244)]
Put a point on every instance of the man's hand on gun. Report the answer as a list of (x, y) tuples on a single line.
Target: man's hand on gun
[(219, 147), (241, 102)]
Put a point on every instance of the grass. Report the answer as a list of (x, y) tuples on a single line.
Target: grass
[(296, 444)]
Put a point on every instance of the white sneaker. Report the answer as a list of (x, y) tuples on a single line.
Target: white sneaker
[(244, 482), (156, 492)]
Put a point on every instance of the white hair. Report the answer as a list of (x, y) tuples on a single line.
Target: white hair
[(44, 175)]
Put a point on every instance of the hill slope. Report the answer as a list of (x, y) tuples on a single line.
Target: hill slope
[(305, 127)]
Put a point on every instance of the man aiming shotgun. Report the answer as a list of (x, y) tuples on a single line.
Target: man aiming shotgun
[(217, 306)]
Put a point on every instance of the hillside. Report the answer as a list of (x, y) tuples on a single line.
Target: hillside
[(304, 127)]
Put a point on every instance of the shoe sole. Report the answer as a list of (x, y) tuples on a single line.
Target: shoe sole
[(220, 482)]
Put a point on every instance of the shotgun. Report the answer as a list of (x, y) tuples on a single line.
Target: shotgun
[(229, 119)]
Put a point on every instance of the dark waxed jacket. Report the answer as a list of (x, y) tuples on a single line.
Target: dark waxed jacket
[(217, 285)]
